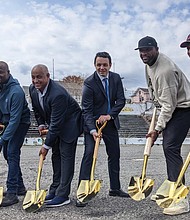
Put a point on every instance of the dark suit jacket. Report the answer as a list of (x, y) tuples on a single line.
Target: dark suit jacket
[(94, 99), (61, 112)]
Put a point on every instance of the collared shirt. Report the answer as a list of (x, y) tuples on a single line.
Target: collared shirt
[(103, 83), (102, 79), (40, 96)]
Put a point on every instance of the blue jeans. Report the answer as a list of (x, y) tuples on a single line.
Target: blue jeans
[(11, 152)]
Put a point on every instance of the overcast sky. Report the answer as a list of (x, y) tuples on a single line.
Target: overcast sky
[(71, 32)]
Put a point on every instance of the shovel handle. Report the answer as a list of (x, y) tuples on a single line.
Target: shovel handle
[(39, 172), (148, 144), (183, 169), (96, 148), (98, 138)]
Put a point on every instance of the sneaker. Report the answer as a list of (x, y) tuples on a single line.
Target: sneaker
[(20, 192), (58, 201), (176, 208), (118, 192), (9, 199), (49, 197)]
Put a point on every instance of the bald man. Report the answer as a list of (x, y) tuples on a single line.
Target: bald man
[(15, 116), (55, 109)]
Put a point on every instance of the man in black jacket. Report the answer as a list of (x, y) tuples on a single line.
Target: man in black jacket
[(54, 107), (102, 99)]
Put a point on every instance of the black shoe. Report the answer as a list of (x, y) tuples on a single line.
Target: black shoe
[(20, 192), (80, 204), (118, 192), (9, 199)]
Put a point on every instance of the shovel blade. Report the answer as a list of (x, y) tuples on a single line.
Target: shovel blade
[(1, 194), (34, 200), (88, 189), (177, 194), (139, 190)]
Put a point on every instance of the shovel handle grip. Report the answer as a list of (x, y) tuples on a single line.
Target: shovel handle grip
[(148, 144)]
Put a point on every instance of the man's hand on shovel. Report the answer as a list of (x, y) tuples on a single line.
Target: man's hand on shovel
[(43, 152), (153, 135)]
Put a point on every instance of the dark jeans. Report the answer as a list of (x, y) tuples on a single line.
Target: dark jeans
[(11, 152), (111, 139), (173, 136), (63, 162)]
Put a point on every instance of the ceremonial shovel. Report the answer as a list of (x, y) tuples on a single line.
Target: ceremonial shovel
[(140, 187), (89, 188), (177, 190), (34, 199)]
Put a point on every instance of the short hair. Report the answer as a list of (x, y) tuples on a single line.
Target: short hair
[(104, 55), (4, 66)]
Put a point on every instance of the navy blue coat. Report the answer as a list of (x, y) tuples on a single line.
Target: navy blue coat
[(94, 99), (61, 112)]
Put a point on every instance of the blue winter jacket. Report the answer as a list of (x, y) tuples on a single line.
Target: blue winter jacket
[(13, 108)]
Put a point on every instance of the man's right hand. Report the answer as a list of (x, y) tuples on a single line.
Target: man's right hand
[(95, 135), (44, 152)]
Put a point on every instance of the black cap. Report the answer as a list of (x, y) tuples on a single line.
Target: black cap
[(146, 42), (186, 43)]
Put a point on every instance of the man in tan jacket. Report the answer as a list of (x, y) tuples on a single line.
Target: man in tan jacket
[(170, 90)]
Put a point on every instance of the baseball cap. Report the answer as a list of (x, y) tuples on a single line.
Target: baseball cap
[(186, 43), (146, 42)]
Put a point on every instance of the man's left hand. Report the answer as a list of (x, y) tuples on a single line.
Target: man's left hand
[(103, 118)]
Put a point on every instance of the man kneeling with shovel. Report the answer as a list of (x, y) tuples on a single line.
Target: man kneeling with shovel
[(102, 99)]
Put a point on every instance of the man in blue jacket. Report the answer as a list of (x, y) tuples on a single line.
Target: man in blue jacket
[(15, 116)]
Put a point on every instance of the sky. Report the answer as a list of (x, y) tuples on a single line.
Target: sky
[(65, 35)]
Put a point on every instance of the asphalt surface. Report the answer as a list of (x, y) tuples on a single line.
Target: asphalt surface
[(102, 206)]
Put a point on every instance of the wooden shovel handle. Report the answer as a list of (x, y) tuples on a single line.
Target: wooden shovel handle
[(148, 145), (2, 127)]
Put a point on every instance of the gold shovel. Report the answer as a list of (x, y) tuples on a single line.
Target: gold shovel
[(89, 188), (34, 199), (140, 187), (176, 190)]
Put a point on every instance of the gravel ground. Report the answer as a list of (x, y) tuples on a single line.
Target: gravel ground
[(102, 206)]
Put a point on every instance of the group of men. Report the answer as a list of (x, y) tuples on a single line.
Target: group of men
[(102, 100)]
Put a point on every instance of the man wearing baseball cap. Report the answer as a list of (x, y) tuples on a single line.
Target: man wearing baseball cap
[(170, 90), (186, 44)]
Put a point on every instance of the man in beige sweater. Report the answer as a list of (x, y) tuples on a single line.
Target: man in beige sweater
[(170, 90)]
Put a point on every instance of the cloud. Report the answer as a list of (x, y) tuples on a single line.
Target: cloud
[(72, 32)]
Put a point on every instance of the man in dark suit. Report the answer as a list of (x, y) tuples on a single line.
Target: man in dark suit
[(55, 108), (98, 105)]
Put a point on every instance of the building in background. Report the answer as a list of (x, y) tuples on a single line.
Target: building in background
[(141, 95)]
